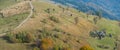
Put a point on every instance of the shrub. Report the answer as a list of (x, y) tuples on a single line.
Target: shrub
[(54, 19), (36, 48), (45, 32), (103, 46), (47, 10), (95, 19), (46, 44), (57, 30), (56, 48), (86, 47), (11, 38), (76, 20), (29, 37), (93, 34), (1, 15), (66, 48), (53, 9), (21, 37), (99, 14), (119, 23), (44, 21)]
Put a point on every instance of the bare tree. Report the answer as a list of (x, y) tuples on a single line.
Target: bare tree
[(63, 9), (95, 20), (67, 8), (119, 23), (76, 20), (1, 14), (89, 13)]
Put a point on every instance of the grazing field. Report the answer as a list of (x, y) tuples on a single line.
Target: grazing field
[(56, 27), (6, 3), (9, 23)]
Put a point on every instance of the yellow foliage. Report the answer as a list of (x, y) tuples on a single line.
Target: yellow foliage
[(86, 47)]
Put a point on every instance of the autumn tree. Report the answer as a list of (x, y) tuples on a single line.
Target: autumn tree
[(46, 44), (86, 47)]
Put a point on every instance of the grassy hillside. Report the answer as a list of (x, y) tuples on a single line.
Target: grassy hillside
[(9, 46), (9, 23), (6, 3), (52, 22), (58, 23), (111, 27)]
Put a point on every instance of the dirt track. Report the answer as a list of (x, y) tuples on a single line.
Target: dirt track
[(30, 15), (31, 12)]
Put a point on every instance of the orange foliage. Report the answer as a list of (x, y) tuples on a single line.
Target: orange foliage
[(46, 44)]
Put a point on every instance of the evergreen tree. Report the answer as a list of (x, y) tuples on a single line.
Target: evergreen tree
[(99, 14)]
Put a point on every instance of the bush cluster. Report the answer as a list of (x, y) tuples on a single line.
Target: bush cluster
[(86, 47), (54, 19), (21, 37), (46, 44)]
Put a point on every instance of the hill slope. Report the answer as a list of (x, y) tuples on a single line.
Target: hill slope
[(67, 27), (63, 21), (109, 9)]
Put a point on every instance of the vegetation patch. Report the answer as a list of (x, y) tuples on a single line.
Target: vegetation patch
[(86, 47), (55, 19), (21, 37), (10, 22), (44, 21)]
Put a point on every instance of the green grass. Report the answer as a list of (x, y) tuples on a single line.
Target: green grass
[(6, 3), (107, 41), (111, 27), (11, 22), (4, 45)]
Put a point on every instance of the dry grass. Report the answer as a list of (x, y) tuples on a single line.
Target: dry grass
[(67, 24), (72, 35), (16, 9), (4, 45)]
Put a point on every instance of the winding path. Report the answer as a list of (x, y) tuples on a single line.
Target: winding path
[(31, 12), (30, 15)]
